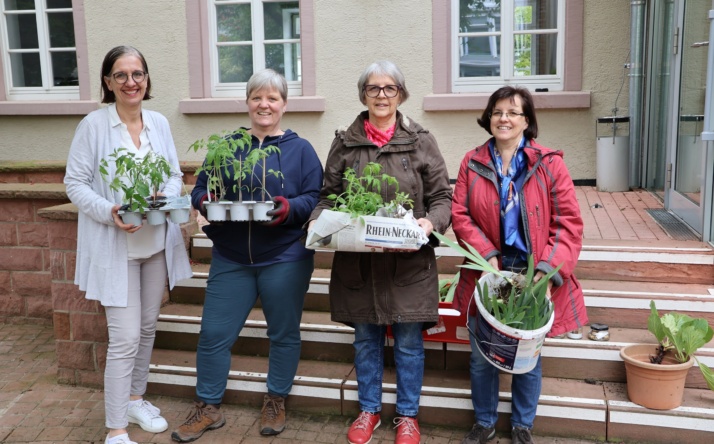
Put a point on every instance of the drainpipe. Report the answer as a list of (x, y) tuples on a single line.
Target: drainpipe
[(637, 37), (708, 138)]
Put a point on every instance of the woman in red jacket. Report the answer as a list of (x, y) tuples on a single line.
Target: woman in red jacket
[(514, 198)]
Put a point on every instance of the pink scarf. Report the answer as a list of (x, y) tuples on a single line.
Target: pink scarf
[(377, 136)]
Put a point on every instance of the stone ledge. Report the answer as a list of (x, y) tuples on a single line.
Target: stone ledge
[(33, 191), (41, 166), (59, 212)]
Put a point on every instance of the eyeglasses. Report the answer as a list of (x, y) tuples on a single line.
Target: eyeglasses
[(122, 77), (509, 115), (373, 91)]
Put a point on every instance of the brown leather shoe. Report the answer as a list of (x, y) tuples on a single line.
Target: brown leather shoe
[(203, 417), (272, 418)]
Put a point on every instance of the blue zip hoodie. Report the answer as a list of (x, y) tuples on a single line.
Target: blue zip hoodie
[(252, 243)]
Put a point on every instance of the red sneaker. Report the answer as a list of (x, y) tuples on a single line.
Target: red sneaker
[(361, 430), (407, 430)]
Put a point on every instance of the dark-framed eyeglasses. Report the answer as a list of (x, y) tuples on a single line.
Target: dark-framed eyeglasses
[(373, 91), (122, 77), (509, 114)]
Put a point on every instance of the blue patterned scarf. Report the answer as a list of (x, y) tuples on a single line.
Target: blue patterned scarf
[(510, 187)]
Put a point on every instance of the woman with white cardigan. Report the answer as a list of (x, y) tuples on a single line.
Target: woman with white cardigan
[(123, 266)]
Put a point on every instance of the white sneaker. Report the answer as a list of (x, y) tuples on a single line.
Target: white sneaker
[(147, 416), (119, 439)]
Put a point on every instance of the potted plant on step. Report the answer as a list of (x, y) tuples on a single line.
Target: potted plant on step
[(255, 157), (221, 165), (513, 312), (656, 373)]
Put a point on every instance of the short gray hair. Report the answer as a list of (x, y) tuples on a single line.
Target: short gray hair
[(269, 79), (383, 68)]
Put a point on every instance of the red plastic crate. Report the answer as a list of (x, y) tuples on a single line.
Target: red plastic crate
[(450, 328)]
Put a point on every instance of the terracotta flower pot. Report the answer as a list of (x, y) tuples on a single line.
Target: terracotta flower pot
[(655, 386)]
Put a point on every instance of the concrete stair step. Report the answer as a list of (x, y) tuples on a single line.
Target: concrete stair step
[(567, 408), (326, 341), (686, 262)]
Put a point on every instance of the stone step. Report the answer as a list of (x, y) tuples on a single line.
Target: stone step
[(686, 262), (326, 341), (568, 408), (615, 303)]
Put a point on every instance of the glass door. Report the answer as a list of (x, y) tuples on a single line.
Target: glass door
[(686, 164)]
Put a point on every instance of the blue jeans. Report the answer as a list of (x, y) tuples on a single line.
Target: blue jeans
[(409, 361), (525, 390), (231, 292)]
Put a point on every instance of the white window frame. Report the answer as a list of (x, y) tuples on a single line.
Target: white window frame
[(47, 91), (258, 43), (488, 84)]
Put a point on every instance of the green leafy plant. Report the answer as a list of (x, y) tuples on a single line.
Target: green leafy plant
[(447, 288), (157, 170), (221, 160), (138, 178), (682, 335), (258, 156), (362, 195), (518, 302)]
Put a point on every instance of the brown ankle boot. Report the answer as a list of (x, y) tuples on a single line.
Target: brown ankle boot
[(203, 417), (272, 418)]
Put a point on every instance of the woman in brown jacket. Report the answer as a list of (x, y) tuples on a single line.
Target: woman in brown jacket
[(371, 291)]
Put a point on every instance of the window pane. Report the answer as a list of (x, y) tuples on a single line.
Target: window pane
[(26, 70), (281, 20), (536, 14), (64, 67), (235, 63), (16, 5), (479, 16), (535, 54), (479, 56), (57, 4), (61, 30), (285, 59), (22, 31), (233, 23)]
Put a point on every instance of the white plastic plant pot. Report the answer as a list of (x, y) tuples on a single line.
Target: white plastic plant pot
[(240, 210), (216, 211), (131, 217), (179, 215), (507, 348), (260, 208), (155, 217)]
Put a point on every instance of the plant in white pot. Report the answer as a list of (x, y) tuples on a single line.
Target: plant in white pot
[(510, 307), (656, 373), (130, 178), (258, 156), (157, 170), (221, 165)]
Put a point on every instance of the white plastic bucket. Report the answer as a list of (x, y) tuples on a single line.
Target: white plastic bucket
[(131, 217), (507, 348), (215, 211), (260, 208), (240, 211), (180, 215), (155, 217)]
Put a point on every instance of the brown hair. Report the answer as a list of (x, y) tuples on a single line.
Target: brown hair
[(509, 92), (108, 63)]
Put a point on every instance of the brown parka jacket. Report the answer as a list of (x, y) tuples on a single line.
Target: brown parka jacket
[(387, 288)]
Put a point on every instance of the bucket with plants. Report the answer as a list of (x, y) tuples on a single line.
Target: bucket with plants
[(513, 313)]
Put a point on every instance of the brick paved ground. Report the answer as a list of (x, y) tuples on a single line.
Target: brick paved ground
[(34, 408)]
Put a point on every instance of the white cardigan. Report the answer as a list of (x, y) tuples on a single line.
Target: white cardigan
[(102, 260)]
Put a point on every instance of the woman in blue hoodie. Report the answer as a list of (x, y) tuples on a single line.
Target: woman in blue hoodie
[(258, 258)]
